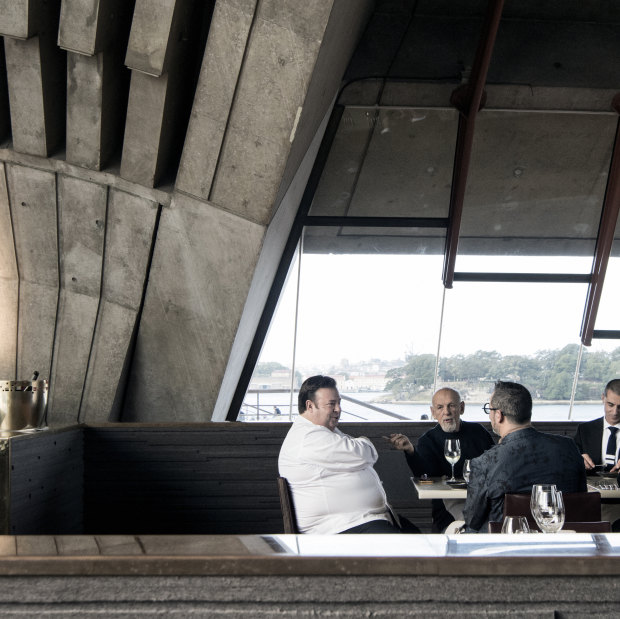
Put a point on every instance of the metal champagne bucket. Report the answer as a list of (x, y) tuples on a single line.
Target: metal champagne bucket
[(22, 404)]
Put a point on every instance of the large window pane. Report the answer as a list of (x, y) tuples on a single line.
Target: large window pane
[(526, 333)]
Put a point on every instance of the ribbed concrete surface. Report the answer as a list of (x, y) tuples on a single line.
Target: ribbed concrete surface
[(104, 207)]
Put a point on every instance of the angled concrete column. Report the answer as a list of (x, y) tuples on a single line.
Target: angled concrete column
[(5, 116), (156, 29), (96, 99), (37, 92), (147, 128), (130, 228), (33, 209), (18, 18), (230, 26), (81, 229), (202, 267), (9, 287), (91, 26)]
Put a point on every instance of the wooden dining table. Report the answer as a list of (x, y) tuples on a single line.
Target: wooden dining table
[(438, 488)]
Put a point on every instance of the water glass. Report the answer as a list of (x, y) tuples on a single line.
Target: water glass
[(515, 524), (466, 470), (549, 510)]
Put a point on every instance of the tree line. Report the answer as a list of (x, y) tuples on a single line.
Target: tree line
[(548, 374)]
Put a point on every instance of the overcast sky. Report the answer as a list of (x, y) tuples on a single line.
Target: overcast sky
[(360, 307)]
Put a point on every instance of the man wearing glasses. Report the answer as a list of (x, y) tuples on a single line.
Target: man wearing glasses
[(427, 457), (522, 458)]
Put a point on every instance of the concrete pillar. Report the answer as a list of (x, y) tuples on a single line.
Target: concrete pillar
[(81, 230), (9, 286), (33, 211), (130, 227)]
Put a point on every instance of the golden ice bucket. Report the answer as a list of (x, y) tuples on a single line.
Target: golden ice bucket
[(22, 404)]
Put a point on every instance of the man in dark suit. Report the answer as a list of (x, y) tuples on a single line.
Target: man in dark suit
[(522, 458), (599, 443), (597, 439)]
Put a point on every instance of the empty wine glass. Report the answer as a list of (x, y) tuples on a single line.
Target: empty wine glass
[(452, 452), (515, 524), (549, 510), (466, 470), (536, 489)]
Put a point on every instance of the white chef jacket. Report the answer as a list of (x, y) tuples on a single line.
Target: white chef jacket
[(332, 479)]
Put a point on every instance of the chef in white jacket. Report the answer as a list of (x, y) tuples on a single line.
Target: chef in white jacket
[(334, 485)]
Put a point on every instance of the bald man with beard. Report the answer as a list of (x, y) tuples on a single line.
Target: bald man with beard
[(427, 457)]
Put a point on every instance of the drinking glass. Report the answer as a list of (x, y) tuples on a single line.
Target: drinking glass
[(536, 489), (466, 470), (549, 510), (452, 452), (515, 524)]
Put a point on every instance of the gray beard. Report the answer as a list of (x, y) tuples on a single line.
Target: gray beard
[(449, 426)]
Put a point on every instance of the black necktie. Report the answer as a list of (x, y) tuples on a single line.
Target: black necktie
[(610, 455)]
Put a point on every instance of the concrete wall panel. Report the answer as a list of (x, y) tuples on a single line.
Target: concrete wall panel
[(9, 286), (219, 73), (130, 227), (280, 58), (202, 267), (82, 217), (33, 210)]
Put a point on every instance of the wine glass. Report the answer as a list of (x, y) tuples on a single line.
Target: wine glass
[(536, 489), (515, 524), (466, 470), (452, 452), (549, 510)]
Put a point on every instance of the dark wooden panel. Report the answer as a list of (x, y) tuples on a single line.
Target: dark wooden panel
[(46, 495), (217, 478)]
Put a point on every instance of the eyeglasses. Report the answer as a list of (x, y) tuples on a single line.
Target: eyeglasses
[(487, 408)]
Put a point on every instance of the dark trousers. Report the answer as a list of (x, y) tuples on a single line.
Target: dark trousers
[(383, 526)]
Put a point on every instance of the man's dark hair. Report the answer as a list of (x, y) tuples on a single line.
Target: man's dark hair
[(514, 400), (613, 385), (310, 386)]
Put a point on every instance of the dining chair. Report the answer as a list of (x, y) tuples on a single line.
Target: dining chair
[(599, 526), (578, 507), (286, 506)]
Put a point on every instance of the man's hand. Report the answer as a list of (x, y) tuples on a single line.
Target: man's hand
[(588, 462), (616, 468), (400, 442)]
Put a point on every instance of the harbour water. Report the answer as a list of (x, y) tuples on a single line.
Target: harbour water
[(261, 406)]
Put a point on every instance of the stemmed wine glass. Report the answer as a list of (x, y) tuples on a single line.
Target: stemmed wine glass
[(452, 452), (547, 507)]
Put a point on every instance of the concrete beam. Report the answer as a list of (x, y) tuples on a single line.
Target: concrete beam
[(96, 99), (9, 286), (156, 30), (92, 26), (81, 232), (198, 283), (33, 211), (37, 92), (18, 18), (272, 96), (147, 129), (130, 227), (230, 26)]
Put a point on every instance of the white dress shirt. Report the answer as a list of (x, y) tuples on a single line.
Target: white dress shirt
[(605, 440), (332, 479)]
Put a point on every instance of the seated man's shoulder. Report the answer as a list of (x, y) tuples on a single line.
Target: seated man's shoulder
[(591, 423)]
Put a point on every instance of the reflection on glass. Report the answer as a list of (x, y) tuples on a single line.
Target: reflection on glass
[(530, 191), (390, 162)]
